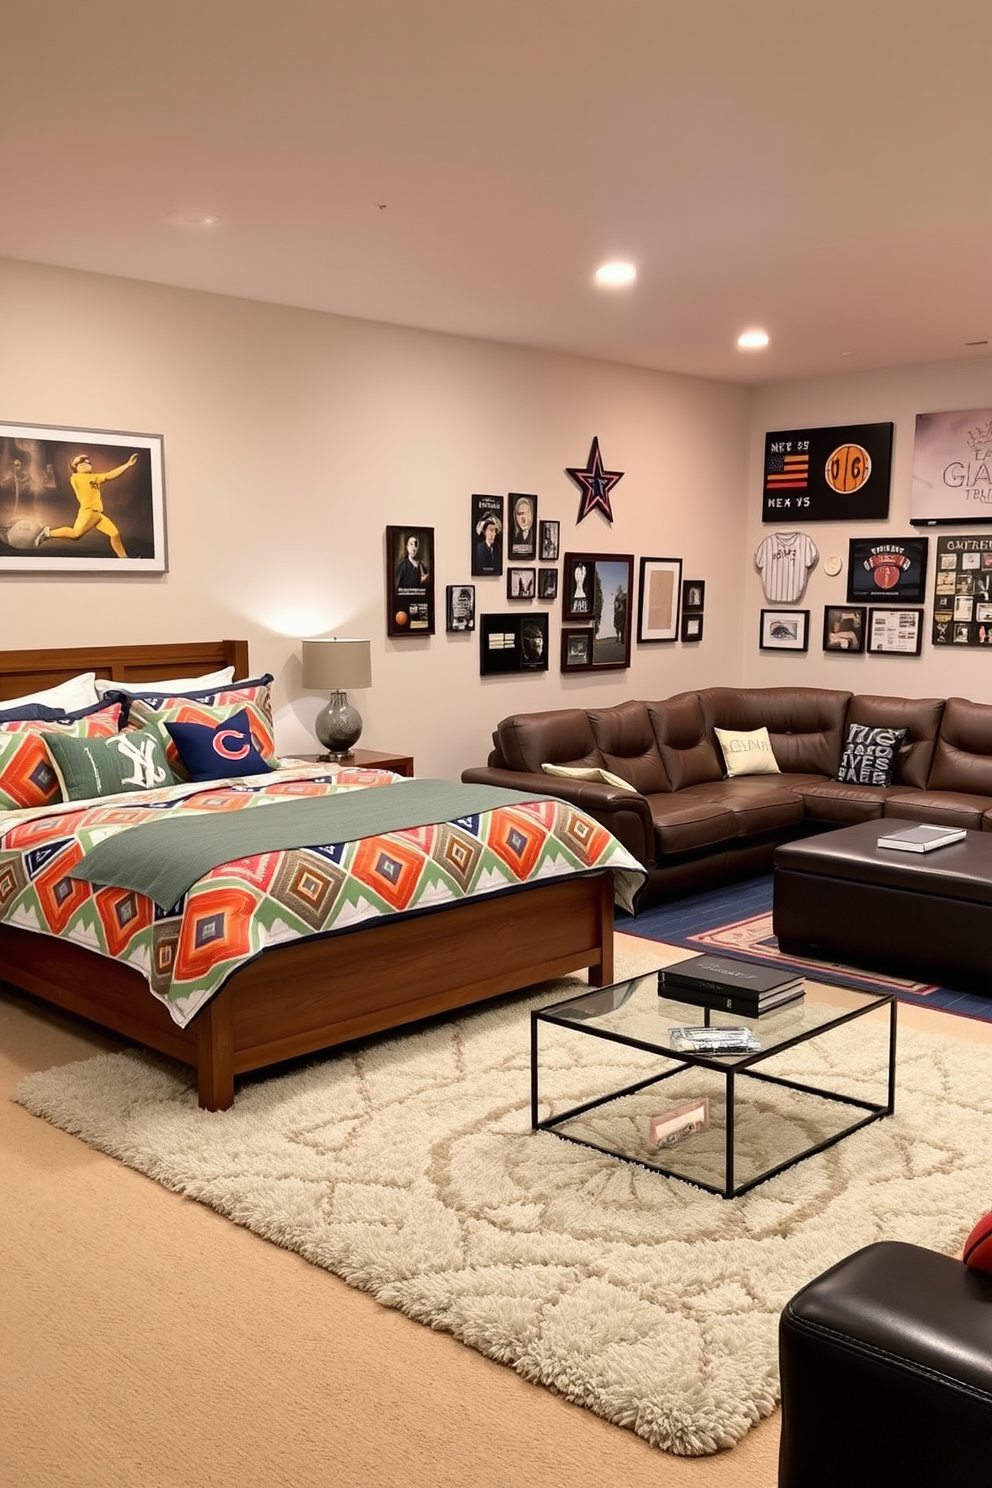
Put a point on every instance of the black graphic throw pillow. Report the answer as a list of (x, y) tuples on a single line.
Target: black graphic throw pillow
[(870, 755)]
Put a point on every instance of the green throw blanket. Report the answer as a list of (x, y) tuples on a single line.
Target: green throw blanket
[(164, 857)]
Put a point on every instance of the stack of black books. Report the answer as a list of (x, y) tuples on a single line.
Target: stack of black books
[(745, 988)]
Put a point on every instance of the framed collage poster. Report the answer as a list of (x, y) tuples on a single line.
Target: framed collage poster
[(409, 581), (784, 630), (895, 632), (962, 592), (81, 501), (658, 599), (887, 570)]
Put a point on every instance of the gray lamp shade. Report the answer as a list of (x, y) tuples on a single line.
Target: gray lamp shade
[(335, 666)]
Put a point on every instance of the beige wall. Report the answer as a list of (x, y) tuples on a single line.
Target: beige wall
[(896, 397), (292, 439)]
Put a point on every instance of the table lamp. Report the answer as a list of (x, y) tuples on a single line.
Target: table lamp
[(333, 666)]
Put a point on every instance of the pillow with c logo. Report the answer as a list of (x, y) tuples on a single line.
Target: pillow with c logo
[(220, 751)]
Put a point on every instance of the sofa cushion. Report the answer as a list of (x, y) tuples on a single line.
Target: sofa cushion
[(870, 755), (687, 750), (962, 759), (829, 802), (561, 736), (625, 739), (942, 808), (747, 752), (685, 821), (805, 724), (588, 772), (920, 717)]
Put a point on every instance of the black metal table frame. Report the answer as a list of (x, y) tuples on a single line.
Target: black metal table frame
[(687, 1060)]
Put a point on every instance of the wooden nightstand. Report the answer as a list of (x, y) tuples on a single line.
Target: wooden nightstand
[(368, 759)]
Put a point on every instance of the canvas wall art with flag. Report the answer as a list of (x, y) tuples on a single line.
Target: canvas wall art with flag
[(836, 474)]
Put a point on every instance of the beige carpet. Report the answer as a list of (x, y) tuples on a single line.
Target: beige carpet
[(408, 1167)]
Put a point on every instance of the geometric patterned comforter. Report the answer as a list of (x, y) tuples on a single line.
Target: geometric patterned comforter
[(239, 909)]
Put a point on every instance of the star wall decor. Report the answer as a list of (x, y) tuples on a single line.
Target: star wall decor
[(595, 484)]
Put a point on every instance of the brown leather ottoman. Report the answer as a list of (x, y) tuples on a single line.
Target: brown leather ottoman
[(928, 915)]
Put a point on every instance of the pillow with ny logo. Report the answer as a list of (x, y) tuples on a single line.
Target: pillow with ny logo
[(130, 761)]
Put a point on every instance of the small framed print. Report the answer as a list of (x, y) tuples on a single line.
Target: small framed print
[(691, 628), (658, 599), (459, 607), (513, 643), (547, 583), (520, 583), (844, 628), (887, 570), (549, 536), (693, 594), (522, 521), (409, 581), (895, 632), (576, 650), (784, 630)]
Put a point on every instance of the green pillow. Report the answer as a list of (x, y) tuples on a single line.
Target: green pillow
[(130, 761)]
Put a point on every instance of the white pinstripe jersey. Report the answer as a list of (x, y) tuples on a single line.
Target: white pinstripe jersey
[(783, 560)]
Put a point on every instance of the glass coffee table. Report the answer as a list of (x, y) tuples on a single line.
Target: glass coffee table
[(766, 1109)]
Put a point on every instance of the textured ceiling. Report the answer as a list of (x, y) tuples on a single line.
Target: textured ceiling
[(821, 169)]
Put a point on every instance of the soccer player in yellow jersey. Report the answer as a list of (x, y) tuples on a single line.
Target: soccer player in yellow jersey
[(86, 485)]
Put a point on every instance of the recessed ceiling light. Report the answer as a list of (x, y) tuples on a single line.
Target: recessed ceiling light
[(614, 274), (196, 220), (752, 340)]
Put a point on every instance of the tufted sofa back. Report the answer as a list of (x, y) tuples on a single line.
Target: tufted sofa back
[(920, 717), (806, 725), (962, 759)]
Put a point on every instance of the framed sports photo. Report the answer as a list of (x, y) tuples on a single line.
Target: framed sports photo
[(844, 628), (459, 607), (409, 581), (576, 650), (81, 501), (784, 630), (895, 632), (658, 599), (887, 570), (513, 643)]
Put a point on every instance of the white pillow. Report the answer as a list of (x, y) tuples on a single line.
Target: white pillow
[(747, 753), (78, 692), (171, 685), (589, 772)]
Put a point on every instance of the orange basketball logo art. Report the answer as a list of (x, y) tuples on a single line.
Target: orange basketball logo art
[(848, 468)]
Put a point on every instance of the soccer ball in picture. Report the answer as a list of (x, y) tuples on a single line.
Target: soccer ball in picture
[(22, 533)]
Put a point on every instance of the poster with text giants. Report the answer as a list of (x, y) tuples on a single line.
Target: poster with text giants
[(828, 475), (952, 468)]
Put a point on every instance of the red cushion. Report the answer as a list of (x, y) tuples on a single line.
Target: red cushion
[(978, 1246)]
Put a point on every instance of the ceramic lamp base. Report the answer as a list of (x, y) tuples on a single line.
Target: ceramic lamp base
[(338, 726)]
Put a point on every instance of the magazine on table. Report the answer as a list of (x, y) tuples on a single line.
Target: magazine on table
[(923, 838)]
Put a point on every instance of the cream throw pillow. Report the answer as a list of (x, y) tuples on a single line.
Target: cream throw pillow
[(747, 753), (589, 772)]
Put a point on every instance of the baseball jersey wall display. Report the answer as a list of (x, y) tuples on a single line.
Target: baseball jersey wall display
[(784, 559)]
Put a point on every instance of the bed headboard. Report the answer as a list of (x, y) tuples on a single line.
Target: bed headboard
[(31, 671)]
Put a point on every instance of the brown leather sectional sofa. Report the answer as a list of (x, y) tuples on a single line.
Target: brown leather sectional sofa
[(690, 825)]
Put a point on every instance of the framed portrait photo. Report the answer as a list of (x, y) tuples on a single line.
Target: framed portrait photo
[(576, 650), (658, 598), (521, 520), (895, 632), (409, 581), (521, 583), (81, 501), (459, 607), (887, 570), (784, 630), (487, 536), (549, 538), (844, 628)]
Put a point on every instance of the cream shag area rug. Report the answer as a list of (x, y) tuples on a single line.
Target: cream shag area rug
[(407, 1166)]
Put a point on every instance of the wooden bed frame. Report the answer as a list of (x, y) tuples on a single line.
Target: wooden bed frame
[(311, 994)]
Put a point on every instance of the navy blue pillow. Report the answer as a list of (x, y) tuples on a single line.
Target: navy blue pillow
[(45, 713), (218, 752)]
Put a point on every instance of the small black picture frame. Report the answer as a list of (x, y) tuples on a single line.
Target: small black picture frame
[(548, 539), (691, 627), (887, 570), (894, 632), (547, 583), (521, 583), (513, 643), (693, 594), (783, 630), (459, 608), (521, 524), (844, 628), (576, 650)]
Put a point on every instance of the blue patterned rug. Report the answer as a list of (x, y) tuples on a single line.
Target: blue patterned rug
[(736, 920)]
